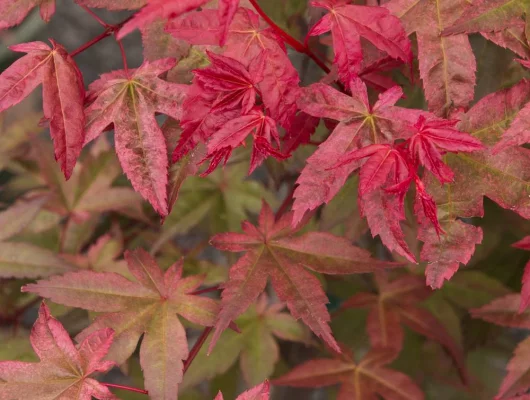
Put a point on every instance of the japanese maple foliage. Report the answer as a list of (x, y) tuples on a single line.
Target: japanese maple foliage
[(320, 140), (260, 392), (271, 251), (147, 306), (64, 369)]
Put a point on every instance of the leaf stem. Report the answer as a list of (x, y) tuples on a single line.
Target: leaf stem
[(91, 43), (122, 387), (286, 203), (291, 41), (196, 347), (94, 15), (111, 29), (123, 57)]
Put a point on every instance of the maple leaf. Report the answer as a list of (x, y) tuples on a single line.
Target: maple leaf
[(517, 133), (397, 303), (505, 311), (525, 290), (158, 9), (62, 90), (260, 392), (114, 4), (64, 369), (80, 201), (234, 132), (150, 305), (248, 40), (512, 37), (256, 346), (231, 81), (348, 23), (489, 16), (13, 12), (25, 260), (360, 125), (129, 99), (434, 135), (502, 176), (226, 192), (227, 11), (364, 380), (447, 64), (271, 251)]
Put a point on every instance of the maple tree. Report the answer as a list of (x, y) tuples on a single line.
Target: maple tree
[(276, 187)]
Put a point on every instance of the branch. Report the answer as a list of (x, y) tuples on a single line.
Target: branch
[(291, 41), (196, 347), (122, 387), (111, 29), (94, 15)]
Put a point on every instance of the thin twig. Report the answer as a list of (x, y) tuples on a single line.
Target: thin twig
[(123, 57), (197, 347), (111, 29), (123, 387), (94, 15), (286, 203), (291, 41)]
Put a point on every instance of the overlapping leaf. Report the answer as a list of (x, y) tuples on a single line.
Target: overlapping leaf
[(248, 39), (129, 99), (348, 23), (504, 177), (505, 311), (13, 12), (150, 305), (18, 259), (220, 202), (256, 346), (63, 95), (64, 369), (271, 251), (360, 124), (367, 379), (397, 303), (447, 64), (260, 392)]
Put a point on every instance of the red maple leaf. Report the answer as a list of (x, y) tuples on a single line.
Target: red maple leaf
[(363, 380), (360, 125), (233, 84), (248, 39), (348, 23), (129, 100), (113, 4), (234, 132), (506, 311), (397, 304), (271, 251), (447, 64), (13, 12), (62, 90), (227, 11), (440, 134), (64, 369), (158, 9), (260, 392), (149, 306)]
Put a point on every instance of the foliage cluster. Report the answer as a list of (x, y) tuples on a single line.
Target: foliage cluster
[(292, 212)]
